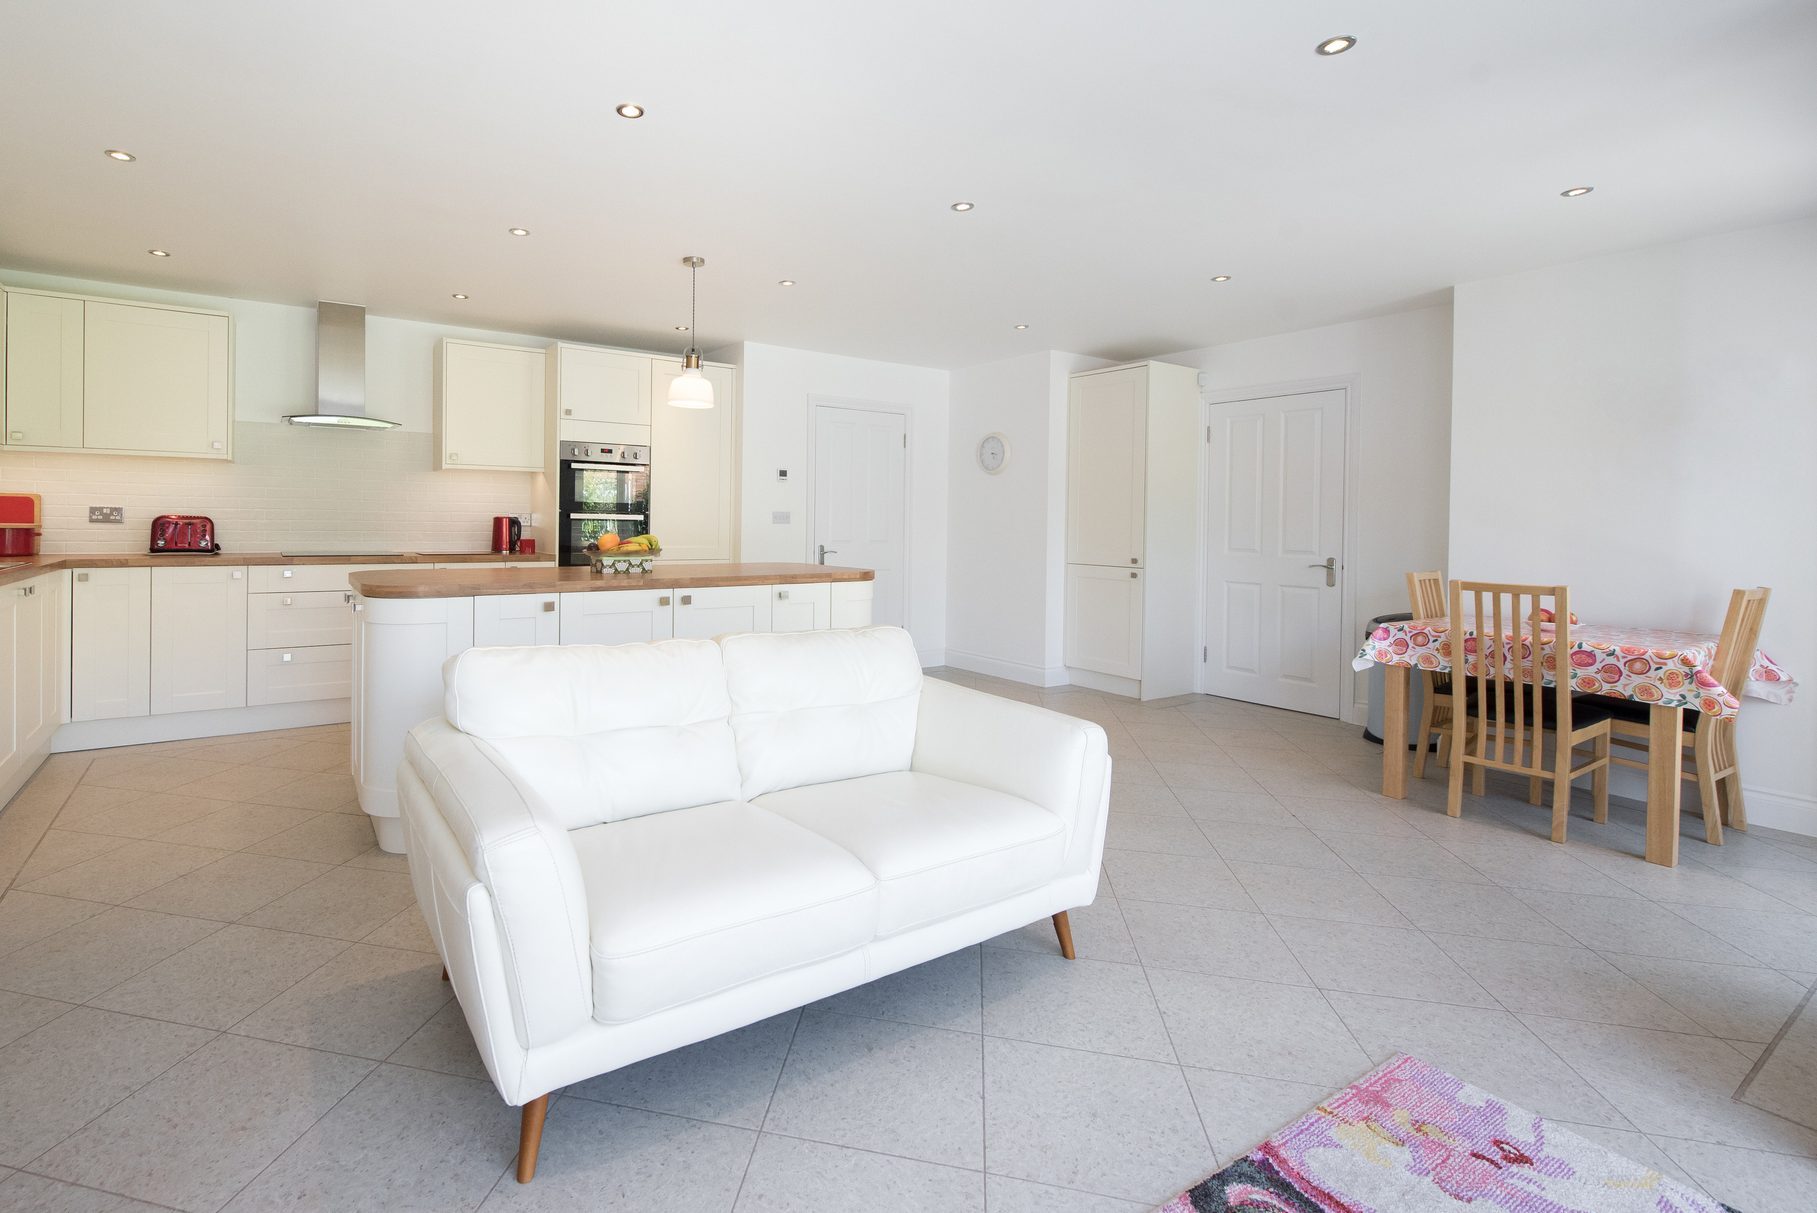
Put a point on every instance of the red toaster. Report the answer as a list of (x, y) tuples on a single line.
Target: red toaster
[(183, 533)]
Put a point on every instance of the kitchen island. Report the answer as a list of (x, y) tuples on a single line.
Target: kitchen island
[(407, 623)]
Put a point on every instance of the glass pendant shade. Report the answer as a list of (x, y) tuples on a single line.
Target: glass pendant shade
[(691, 390)]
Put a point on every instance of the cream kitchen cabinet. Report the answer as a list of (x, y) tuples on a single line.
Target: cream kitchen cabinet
[(717, 610), (33, 648), (694, 467), (110, 644), (489, 406), (1105, 465), (43, 370), (198, 638), (801, 608), (117, 378), (156, 381), (599, 395), (1104, 619), (509, 619), (618, 617)]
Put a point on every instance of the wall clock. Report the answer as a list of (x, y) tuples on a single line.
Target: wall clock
[(993, 453)]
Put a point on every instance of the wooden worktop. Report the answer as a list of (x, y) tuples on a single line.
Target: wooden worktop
[(24, 568), (479, 582)]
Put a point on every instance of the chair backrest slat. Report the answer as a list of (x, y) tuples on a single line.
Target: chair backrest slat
[(1510, 673), (1740, 637), (1426, 595)]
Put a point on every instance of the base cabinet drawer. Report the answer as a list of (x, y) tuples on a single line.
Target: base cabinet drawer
[(309, 578), (801, 608), (852, 604), (617, 617), (299, 675), (302, 620), (721, 610)]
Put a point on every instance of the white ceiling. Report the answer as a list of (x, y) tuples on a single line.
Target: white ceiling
[(1120, 154)]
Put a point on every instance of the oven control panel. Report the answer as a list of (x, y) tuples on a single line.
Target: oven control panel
[(605, 452)]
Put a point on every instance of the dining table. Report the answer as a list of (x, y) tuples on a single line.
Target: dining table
[(1669, 671)]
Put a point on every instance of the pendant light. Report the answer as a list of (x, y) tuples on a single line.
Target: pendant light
[(691, 389)]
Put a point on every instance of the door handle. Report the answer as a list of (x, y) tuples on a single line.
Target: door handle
[(826, 551), (1331, 569), (687, 600)]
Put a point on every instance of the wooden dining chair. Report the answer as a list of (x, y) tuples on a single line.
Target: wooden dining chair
[(1426, 599), (1502, 709), (1711, 762)]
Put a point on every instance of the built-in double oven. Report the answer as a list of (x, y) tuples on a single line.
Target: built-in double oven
[(604, 487)]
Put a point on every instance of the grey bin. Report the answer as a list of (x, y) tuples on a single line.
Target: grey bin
[(1416, 691)]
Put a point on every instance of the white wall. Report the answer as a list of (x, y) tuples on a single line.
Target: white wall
[(1007, 531), (1400, 365), (778, 388), (1646, 424)]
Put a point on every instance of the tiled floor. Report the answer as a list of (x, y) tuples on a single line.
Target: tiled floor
[(215, 993)]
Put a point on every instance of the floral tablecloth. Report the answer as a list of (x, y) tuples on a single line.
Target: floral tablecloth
[(1649, 665)]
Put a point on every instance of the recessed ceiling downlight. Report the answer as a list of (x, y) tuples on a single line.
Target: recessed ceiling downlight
[(459, 295), (1576, 191), (157, 252), (962, 207), (1020, 327), (519, 231), (1335, 46), (786, 282), (630, 109), (681, 328), (114, 153), (1221, 278)]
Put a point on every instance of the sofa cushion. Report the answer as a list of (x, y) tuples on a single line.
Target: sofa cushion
[(601, 732), (937, 847), (810, 707), (682, 905)]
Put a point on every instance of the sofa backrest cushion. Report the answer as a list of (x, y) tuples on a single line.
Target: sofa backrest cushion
[(602, 732), (813, 707)]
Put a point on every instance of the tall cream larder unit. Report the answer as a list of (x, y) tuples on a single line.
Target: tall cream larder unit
[(1132, 529)]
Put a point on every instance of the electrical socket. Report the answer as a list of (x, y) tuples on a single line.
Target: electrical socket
[(107, 513)]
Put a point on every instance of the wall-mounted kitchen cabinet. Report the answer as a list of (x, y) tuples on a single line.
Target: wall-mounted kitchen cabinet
[(489, 407), (108, 377), (694, 467), (599, 395)]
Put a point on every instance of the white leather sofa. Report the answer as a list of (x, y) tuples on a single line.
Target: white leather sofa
[(622, 850)]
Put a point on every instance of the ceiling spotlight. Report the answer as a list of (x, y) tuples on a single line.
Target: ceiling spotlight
[(157, 252), (1335, 46), (681, 328), (963, 206), (630, 110), (519, 231), (1576, 191), (1221, 278), (458, 295), (786, 282), (114, 153), (1020, 327)]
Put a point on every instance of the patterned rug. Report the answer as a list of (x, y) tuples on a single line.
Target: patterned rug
[(1408, 1138)]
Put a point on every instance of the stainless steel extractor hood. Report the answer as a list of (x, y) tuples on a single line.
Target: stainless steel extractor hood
[(340, 371)]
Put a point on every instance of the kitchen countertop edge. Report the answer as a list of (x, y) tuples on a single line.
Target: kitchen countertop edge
[(36, 566), (479, 583)]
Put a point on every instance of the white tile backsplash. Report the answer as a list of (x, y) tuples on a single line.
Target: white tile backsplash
[(288, 488)]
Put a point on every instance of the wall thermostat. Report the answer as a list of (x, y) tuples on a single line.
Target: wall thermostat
[(993, 453), (782, 473)]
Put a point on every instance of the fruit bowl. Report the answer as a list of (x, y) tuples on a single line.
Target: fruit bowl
[(615, 562)]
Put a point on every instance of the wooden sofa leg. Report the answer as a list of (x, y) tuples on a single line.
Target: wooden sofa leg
[(1063, 927), (444, 972), (530, 1138)]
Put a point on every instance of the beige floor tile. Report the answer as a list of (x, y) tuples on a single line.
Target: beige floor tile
[(1077, 1004), (1634, 926), (1163, 835), (1256, 1027), (1225, 942), (60, 849), (1312, 893), (1486, 911), (324, 838), (1188, 880), (21, 1013), (727, 1079), (231, 887), (1289, 846), (28, 917), (145, 815), (328, 755), (1099, 933), (1362, 958), (405, 930), (238, 783), (445, 1045), (1574, 983), (232, 827), (1240, 1111), (56, 1079), (344, 903), (1752, 1180), (24, 1190), (250, 750), (121, 874), (98, 953), (203, 1129), (320, 791), (364, 1002), (1730, 1001), (149, 773), (221, 978)]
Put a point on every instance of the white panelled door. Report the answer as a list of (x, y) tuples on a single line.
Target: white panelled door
[(861, 502), (1275, 535)]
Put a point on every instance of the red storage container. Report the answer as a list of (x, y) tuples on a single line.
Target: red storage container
[(20, 516)]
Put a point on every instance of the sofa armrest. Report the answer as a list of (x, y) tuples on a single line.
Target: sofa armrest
[(1059, 762), (528, 866)]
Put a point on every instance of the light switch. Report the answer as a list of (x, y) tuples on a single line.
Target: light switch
[(779, 517), (782, 473)]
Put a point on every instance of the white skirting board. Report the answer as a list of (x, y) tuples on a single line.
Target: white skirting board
[(1110, 684), (1014, 671), (181, 726), (1781, 810)]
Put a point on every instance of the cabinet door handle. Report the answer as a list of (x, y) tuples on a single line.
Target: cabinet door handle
[(453, 457), (290, 572), (286, 657), (663, 601), (347, 597), (782, 595), (81, 576), (1135, 560), (567, 412), (287, 602), (238, 573), (16, 436), (215, 445), (1134, 576), (687, 600), (548, 606)]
